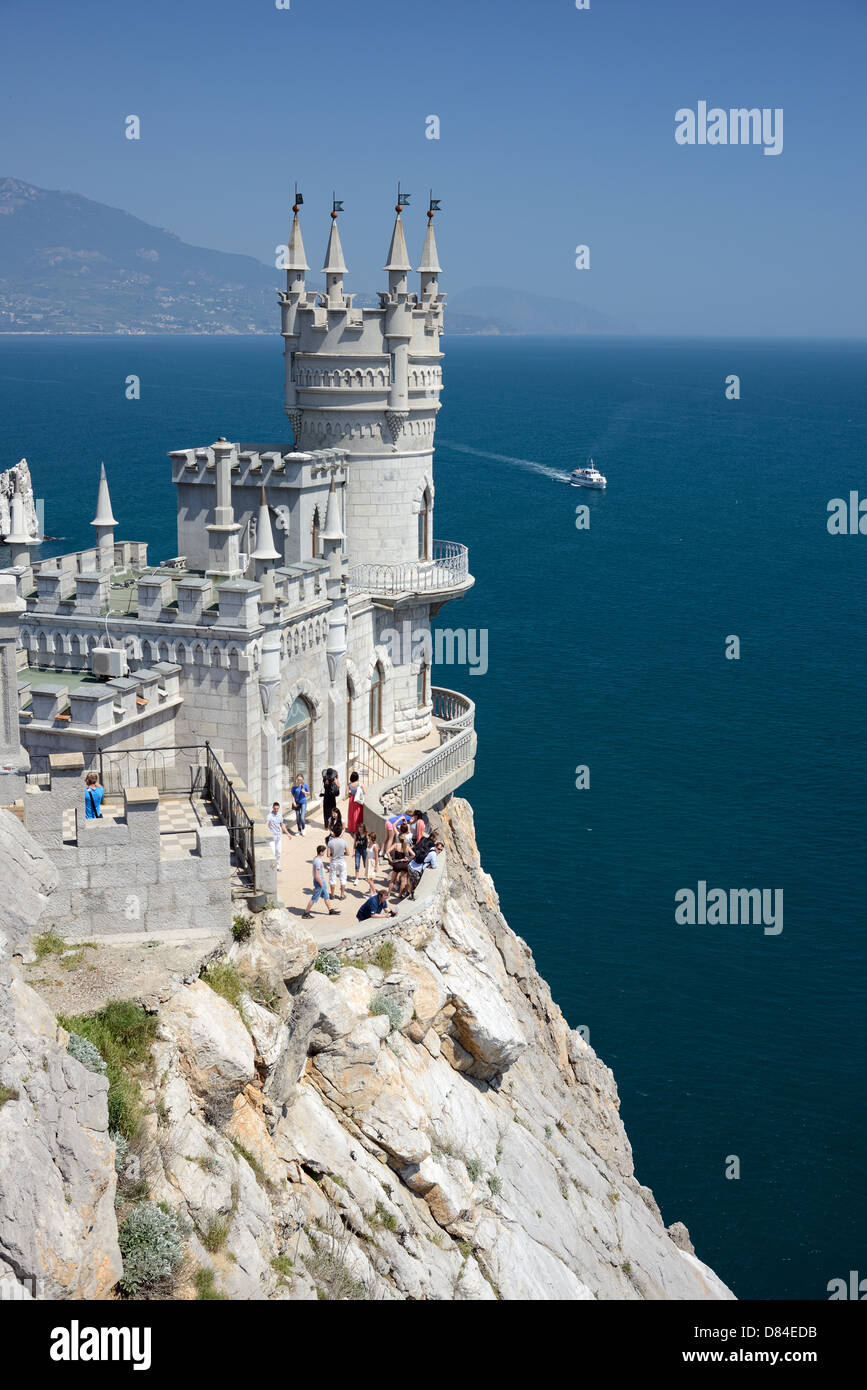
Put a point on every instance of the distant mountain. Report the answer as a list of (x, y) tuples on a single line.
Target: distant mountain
[(494, 309), (70, 265)]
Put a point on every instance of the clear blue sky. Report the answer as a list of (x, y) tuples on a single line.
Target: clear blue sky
[(557, 128)]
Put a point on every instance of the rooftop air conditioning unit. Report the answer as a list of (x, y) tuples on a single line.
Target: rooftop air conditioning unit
[(108, 662)]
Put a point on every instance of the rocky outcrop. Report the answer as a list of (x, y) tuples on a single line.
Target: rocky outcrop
[(29, 879), (58, 1234), (420, 1124)]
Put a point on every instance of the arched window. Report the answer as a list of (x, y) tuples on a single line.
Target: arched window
[(421, 686), (424, 527), (376, 700), (297, 744), (315, 534)]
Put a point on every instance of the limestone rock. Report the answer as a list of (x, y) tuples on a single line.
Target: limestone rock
[(215, 1047), (29, 879), (58, 1234)]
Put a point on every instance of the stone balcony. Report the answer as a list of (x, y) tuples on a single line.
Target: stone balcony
[(424, 773), (446, 572)]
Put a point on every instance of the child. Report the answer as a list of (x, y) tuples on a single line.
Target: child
[(360, 850), (320, 887)]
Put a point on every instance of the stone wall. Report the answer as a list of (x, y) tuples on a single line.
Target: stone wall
[(116, 877)]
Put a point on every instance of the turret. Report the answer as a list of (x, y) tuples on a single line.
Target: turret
[(18, 540), (265, 554), (104, 523), (398, 323), (290, 303), (430, 266), (296, 261), (398, 264), (223, 544), (334, 268)]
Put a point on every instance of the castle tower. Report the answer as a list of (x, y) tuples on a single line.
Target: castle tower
[(105, 523), (367, 381)]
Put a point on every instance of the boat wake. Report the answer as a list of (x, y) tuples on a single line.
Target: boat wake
[(557, 474)]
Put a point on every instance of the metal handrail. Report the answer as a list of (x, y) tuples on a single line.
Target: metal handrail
[(364, 758), (448, 568), (221, 793), (162, 768)]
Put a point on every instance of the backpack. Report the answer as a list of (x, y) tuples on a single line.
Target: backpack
[(423, 849)]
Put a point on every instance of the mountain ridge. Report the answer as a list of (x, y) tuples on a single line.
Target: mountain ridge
[(71, 265)]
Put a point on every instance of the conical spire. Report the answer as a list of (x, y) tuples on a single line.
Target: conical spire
[(429, 259), (334, 255), (265, 550), (333, 530), (104, 515), (398, 257), (295, 258)]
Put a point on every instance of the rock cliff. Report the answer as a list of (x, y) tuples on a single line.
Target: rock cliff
[(413, 1120)]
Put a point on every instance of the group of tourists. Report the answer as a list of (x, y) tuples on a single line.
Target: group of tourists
[(408, 850)]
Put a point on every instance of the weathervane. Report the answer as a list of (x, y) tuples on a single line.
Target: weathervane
[(336, 206), (402, 200), (298, 200), (434, 206)]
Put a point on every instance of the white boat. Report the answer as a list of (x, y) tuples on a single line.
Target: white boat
[(588, 477)]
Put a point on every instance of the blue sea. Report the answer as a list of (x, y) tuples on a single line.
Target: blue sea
[(607, 649)]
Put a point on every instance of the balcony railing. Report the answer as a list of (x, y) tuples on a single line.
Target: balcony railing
[(452, 755), (447, 569), (452, 711), (423, 784)]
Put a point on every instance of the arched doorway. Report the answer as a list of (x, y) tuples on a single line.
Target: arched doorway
[(297, 744)]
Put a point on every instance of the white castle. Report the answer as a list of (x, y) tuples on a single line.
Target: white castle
[(264, 637)]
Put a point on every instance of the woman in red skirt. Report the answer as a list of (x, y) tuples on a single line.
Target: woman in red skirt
[(355, 797)]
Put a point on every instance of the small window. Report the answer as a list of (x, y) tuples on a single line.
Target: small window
[(421, 686), (376, 700), (314, 550), (424, 528)]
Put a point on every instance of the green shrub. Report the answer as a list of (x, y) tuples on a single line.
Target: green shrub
[(150, 1244), (205, 1282), (327, 963), (242, 930), (84, 1052), (121, 1149), (384, 1217), (215, 1237), (384, 957), (7, 1093), (495, 1183), (384, 1004), (474, 1168), (122, 1034), (48, 943), (224, 980)]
